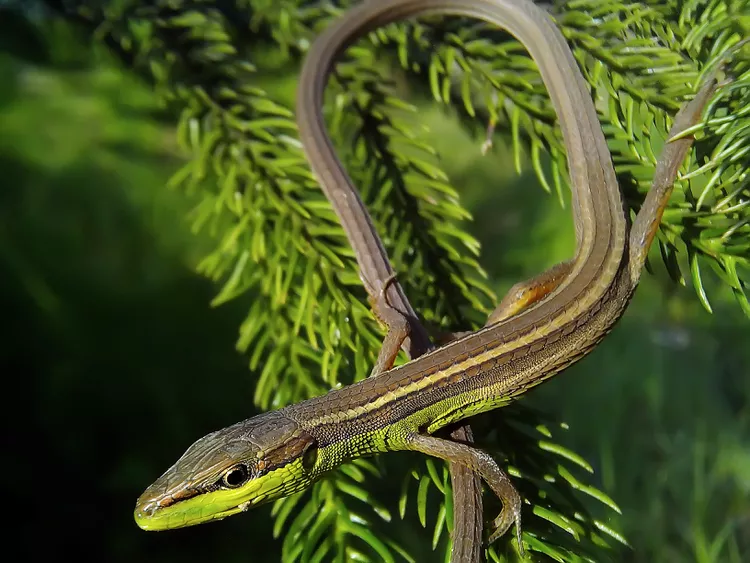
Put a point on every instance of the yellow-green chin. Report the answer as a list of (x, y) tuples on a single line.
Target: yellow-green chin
[(203, 508), (151, 514)]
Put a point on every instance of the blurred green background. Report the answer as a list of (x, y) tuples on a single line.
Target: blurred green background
[(114, 361)]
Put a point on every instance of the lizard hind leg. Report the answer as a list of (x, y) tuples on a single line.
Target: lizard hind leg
[(519, 298), (397, 324), (526, 293)]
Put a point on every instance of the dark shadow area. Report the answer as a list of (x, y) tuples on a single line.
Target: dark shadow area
[(110, 352)]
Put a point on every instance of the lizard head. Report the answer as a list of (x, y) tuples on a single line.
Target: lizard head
[(259, 460)]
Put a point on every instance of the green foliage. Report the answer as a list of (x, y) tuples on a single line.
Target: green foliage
[(640, 60), (308, 328)]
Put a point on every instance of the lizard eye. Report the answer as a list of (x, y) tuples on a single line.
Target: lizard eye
[(235, 477)]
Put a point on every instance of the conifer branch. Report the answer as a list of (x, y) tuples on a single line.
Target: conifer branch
[(309, 327)]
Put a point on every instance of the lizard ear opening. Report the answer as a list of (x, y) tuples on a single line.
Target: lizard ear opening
[(310, 455)]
